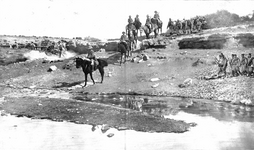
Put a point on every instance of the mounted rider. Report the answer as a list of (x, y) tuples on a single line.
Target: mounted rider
[(92, 57), (137, 19), (124, 39), (130, 20), (149, 23), (157, 17)]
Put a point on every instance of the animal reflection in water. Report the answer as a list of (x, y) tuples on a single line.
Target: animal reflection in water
[(156, 108), (87, 67)]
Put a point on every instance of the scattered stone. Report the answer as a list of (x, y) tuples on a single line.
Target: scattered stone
[(1, 99), (52, 68), (135, 59), (149, 65), (183, 53), (110, 135), (145, 57), (187, 81), (192, 124), (32, 86), (141, 60), (104, 128), (102, 50), (109, 74), (246, 101), (155, 85), (155, 79), (122, 128)]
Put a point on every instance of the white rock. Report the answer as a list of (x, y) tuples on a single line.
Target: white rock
[(32, 87), (155, 79), (155, 85), (187, 81), (52, 68)]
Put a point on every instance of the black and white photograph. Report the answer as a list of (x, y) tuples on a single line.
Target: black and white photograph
[(126, 74)]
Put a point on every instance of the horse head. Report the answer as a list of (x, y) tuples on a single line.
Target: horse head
[(78, 62), (82, 62)]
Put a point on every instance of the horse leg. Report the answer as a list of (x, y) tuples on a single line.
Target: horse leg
[(121, 59), (85, 79), (101, 70), (91, 76), (125, 55)]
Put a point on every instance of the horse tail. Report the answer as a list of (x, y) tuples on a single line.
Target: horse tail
[(102, 63)]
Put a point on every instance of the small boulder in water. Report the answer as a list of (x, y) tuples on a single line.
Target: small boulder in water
[(110, 135), (104, 128)]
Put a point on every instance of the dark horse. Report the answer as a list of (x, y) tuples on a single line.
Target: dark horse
[(87, 67), (123, 50), (159, 24), (137, 25)]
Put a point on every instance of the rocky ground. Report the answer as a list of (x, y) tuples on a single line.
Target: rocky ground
[(30, 89)]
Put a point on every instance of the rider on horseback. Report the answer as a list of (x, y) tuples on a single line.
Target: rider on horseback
[(124, 39), (148, 23), (130, 20), (92, 57), (137, 19), (157, 16)]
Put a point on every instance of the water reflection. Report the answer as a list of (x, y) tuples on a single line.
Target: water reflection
[(163, 106)]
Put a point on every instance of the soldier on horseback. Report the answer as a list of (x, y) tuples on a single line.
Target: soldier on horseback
[(137, 23), (92, 58), (130, 20), (149, 23), (136, 19), (157, 17), (124, 39)]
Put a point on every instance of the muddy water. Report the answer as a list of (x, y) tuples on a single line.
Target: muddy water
[(164, 106), (220, 125)]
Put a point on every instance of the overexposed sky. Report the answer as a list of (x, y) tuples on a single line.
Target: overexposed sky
[(100, 18)]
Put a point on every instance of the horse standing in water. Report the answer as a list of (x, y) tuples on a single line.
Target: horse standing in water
[(87, 67)]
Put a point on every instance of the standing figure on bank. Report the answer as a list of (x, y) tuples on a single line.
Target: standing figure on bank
[(250, 65), (235, 64), (243, 65), (222, 64)]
